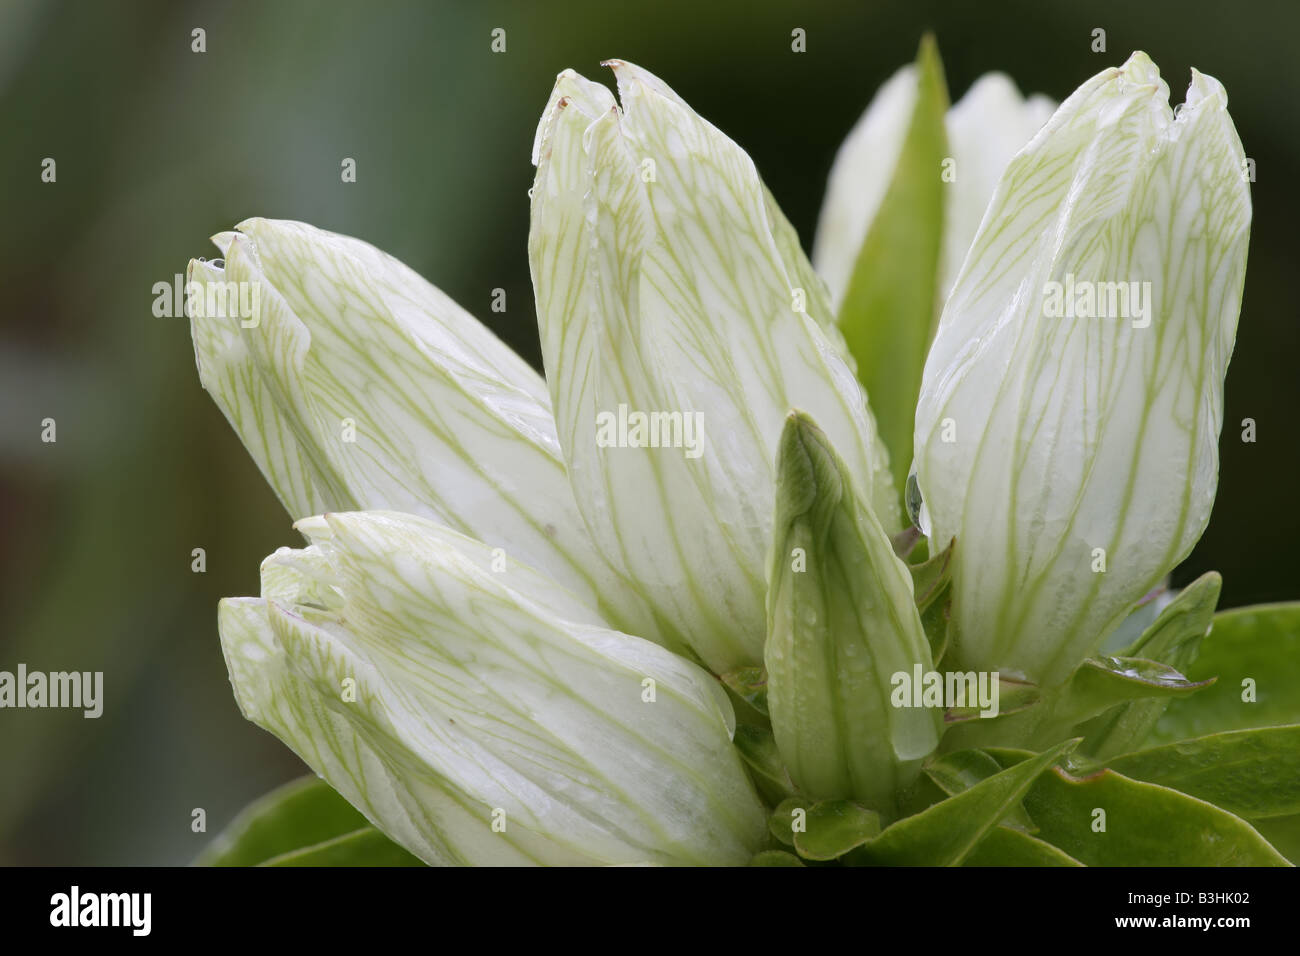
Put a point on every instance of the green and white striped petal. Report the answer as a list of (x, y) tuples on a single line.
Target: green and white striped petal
[(470, 719), (1076, 459), (985, 128), (665, 286), (842, 621), (356, 384)]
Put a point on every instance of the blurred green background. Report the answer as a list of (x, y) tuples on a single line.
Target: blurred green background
[(158, 147)]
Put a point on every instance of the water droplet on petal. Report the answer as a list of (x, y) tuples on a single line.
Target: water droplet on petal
[(916, 509)]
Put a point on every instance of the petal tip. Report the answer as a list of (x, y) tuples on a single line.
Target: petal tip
[(1140, 69), (1205, 88), (222, 240)]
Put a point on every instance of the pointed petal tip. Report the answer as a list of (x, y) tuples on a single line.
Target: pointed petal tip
[(574, 89), (571, 90), (222, 240), (1139, 69), (204, 268), (800, 427), (927, 51), (243, 231), (633, 80), (243, 261), (262, 230), (621, 67), (1137, 79), (1204, 89), (315, 527), (807, 467)]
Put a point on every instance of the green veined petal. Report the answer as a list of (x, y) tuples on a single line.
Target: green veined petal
[(441, 697), (1076, 458), (356, 384), (662, 288)]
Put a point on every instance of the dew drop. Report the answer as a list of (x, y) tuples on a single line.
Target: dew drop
[(916, 509)]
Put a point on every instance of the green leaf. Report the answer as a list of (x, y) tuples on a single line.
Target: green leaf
[(921, 794), (299, 814), (758, 748), (936, 622), (930, 578), (1139, 619), (781, 822), (1003, 847), (775, 858), (908, 542), (1259, 645), (1174, 638), (947, 833), (834, 827), (1102, 682), (750, 685), (890, 307), (1252, 773), (957, 772), (1283, 833), (1145, 824), (363, 847), (1014, 696)]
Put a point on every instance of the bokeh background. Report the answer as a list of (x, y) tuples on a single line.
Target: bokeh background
[(158, 147)]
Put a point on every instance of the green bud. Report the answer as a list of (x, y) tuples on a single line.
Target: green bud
[(842, 621)]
